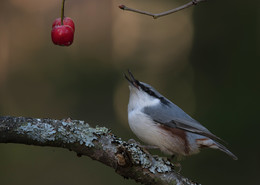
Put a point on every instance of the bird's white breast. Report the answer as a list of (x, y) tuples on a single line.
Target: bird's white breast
[(143, 127), (141, 124)]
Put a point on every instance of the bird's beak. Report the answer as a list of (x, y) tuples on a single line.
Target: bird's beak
[(132, 79)]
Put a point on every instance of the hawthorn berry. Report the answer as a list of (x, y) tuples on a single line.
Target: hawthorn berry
[(63, 29), (62, 35)]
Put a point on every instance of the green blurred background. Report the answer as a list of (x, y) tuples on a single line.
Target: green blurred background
[(205, 59)]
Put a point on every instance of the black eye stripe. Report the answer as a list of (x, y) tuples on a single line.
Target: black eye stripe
[(151, 93)]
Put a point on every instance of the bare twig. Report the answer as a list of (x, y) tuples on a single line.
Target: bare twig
[(128, 159), (193, 2)]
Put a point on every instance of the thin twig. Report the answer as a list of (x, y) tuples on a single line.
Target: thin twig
[(155, 16)]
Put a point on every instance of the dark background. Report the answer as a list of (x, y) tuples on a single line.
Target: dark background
[(205, 59)]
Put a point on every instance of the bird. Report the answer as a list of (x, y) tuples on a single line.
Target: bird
[(158, 122)]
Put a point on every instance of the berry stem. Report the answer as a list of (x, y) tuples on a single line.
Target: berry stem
[(62, 11)]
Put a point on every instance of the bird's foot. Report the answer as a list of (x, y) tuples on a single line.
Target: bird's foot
[(149, 147), (171, 158), (175, 163), (178, 165), (132, 141), (142, 146)]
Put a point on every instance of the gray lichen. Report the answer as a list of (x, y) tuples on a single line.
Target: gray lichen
[(76, 131), (67, 131), (39, 131), (139, 157), (187, 181), (160, 165)]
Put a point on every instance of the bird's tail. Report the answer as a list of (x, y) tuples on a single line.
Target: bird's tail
[(206, 142)]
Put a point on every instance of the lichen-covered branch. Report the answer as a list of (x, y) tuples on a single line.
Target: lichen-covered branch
[(128, 159)]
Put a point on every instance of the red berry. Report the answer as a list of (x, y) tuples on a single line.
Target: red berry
[(62, 35), (66, 21)]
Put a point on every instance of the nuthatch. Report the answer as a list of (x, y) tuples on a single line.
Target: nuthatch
[(158, 122)]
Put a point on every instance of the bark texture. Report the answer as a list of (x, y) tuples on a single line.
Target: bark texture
[(128, 159)]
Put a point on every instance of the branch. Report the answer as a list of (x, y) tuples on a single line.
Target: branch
[(128, 159), (155, 16)]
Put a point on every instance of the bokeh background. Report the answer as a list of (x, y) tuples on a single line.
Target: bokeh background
[(205, 59)]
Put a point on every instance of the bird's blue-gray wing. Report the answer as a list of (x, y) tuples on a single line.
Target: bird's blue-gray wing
[(172, 116)]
